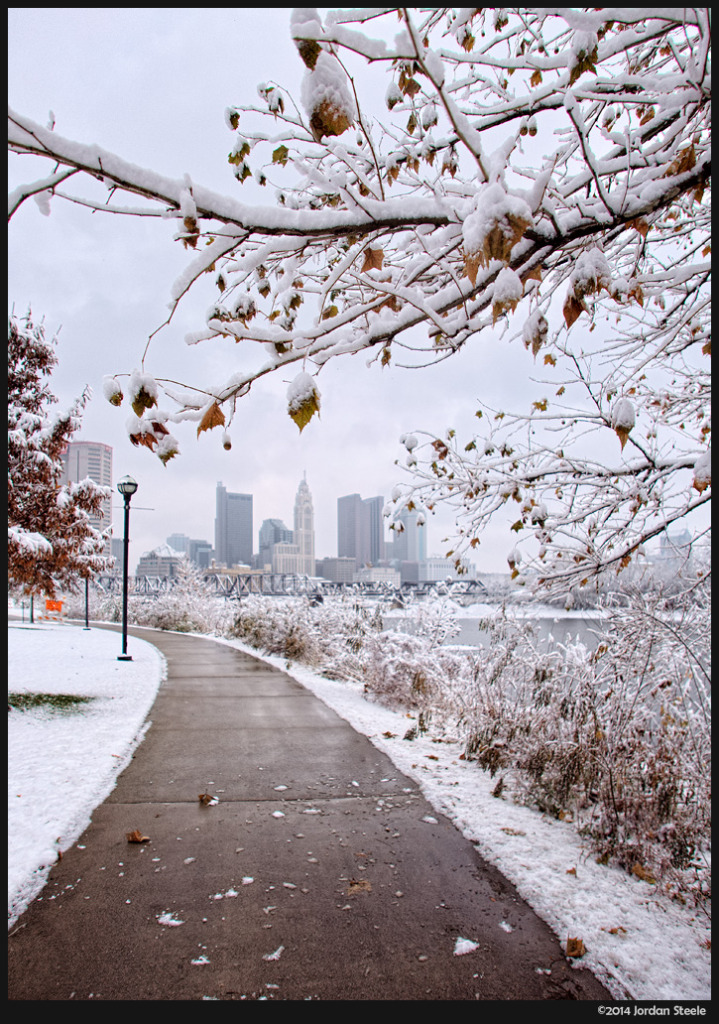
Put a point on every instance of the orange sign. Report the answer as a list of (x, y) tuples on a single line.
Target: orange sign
[(53, 606)]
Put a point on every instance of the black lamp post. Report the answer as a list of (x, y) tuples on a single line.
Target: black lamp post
[(127, 487)]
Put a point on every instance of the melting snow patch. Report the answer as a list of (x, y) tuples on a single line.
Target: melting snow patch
[(505, 926), (463, 946), (225, 895), (202, 959), (429, 819), (274, 956), (168, 920)]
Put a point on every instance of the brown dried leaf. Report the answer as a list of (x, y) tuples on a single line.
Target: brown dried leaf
[(573, 308), (575, 948), (622, 433), (641, 872), (145, 440), (214, 417), (372, 260), (136, 837), (328, 119), (143, 400), (685, 161), (471, 266)]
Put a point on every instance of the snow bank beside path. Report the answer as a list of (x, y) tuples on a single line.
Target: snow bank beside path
[(62, 764)]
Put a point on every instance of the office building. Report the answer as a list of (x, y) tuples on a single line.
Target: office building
[(410, 538), (233, 528), (337, 570), (272, 531), (179, 542), (161, 561), (82, 459), (199, 552), (360, 529), (378, 574)]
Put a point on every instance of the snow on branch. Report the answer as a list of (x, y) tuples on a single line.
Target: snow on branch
[(542, 171)]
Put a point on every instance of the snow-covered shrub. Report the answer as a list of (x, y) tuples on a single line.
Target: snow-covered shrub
[(617, 739), (280, 626), (653, 669), (414, 671)]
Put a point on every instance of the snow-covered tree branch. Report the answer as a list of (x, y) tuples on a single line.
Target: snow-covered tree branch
[(541, 172)]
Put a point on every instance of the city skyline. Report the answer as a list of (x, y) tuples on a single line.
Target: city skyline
[(273, 533)]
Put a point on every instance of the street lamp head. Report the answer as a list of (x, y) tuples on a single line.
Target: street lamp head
[(127, 486)]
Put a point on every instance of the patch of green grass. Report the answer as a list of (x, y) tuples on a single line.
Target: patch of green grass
[(62, 702)]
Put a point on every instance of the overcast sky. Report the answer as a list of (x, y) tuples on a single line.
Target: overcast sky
[(152, 84)]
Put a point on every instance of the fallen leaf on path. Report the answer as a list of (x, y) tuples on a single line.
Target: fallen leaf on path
[(575, 948), (136, 837), (359, 885)]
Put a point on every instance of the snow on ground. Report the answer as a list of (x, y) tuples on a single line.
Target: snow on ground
[(639, 942), (62, 764)]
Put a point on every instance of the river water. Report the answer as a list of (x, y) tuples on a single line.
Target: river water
[(551, 626)]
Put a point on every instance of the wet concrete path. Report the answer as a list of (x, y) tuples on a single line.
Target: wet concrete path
[(315, 876)]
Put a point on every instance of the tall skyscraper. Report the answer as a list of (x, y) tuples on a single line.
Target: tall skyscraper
[(349, 527), (360, 529), (410, 543), (82, 459), (233, 528), (373, 528), (298, 554), (304, 534)]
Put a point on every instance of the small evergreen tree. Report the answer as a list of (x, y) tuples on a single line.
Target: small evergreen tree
[(51, 543)]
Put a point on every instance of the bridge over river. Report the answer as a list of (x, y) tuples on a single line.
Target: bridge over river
[(239, 585)]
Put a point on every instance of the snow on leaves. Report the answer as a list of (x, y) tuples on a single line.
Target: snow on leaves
[(326, 97), (623, 419), (303, 399), (703, 472), (497, 223), (142, 392)]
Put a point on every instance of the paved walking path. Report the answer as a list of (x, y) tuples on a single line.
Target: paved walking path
[(315, 876)]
